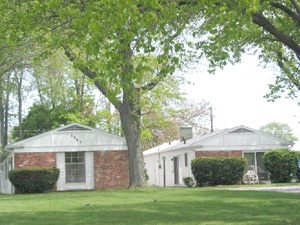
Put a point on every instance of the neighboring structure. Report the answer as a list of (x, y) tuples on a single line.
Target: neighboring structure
[(87, 158), (169, 163)]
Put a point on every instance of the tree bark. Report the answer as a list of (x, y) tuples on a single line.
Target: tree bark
[(131, 128), (130, 114)]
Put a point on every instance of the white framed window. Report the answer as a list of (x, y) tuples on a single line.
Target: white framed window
[(75, 167)]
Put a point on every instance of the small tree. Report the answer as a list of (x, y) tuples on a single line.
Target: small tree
[(280, 130), (281, 164)]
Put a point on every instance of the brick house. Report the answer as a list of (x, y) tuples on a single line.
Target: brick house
[(88, 159), (169, 163)]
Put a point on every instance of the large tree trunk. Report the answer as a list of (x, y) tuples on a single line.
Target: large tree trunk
[(2, 118), (130, 120), (130, 114)]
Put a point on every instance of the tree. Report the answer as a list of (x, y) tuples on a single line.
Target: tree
[(268, 28), (162, 124), (280, 130), (112, 43)]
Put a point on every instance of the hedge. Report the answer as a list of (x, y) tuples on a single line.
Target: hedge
[(218, 170), (33, 180), (281, 164)]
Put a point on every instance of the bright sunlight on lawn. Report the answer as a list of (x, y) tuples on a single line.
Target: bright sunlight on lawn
[(151, 206)]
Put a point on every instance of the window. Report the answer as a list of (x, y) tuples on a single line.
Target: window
[(254, 161), (186, 159), (75, 167)]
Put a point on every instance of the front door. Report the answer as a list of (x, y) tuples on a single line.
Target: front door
[(176, 170)]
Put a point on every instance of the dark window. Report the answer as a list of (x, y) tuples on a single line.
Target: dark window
[(186, 160), (75, 167)]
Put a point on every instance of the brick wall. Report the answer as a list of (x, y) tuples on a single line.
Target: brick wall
[(111, 170), (219, 154), (35, 159)]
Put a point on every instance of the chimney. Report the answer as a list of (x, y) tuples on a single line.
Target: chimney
[(185, 133)]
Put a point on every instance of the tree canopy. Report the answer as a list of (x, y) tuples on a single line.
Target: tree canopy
[(269, 29), (280, 130), (127, 48)]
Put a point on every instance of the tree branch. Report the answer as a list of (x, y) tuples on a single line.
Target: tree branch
[(91, 74), (263, 22), (297, 7), (161, 74), (280, 61), (288, 11)]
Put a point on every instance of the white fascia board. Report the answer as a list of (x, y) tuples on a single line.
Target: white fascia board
[(70, 149), (240, 148)]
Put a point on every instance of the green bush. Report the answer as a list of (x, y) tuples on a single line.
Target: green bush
[(218, 170), (33, 180), (281, 164), (297, 175), (188, 181)]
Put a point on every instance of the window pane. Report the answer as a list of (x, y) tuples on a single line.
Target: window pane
[(81, 160), (81, 154), (250, 161), (68, 160)]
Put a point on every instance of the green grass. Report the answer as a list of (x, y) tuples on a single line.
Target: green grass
[(172, 206)]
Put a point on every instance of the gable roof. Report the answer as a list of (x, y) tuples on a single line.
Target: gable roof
[(72, 135), (236, 138)]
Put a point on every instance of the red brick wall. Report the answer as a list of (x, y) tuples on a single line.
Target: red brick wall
[(35, 159), (219, 154), (111, 170)]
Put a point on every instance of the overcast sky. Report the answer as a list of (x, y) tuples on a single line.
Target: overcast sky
[(236, 93)]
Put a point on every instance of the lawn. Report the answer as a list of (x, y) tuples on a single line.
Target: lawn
[(151, 206)]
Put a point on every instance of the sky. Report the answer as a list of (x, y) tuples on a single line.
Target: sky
[(236, 94)]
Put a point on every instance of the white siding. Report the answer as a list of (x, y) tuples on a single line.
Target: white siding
[(7, 165), (60, 164), (155, 167)]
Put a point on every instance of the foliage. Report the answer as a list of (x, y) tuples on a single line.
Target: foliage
[(33, 180), (267, 28), (280, 130), (218, 170), (127, 48), (42, 118), (297, 174), (146, 175), (281, 164), (162, 124), (189, 181)]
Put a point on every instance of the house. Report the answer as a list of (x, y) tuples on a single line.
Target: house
[(88, 158), (169, 163)]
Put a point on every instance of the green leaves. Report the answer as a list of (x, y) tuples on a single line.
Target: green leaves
[(282, 164), (280, 130)]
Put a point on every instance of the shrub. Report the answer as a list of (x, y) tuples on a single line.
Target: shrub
[(146, 174), (189, 181), (281, 164), (218, 170), (33, 180), (297, 174)]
